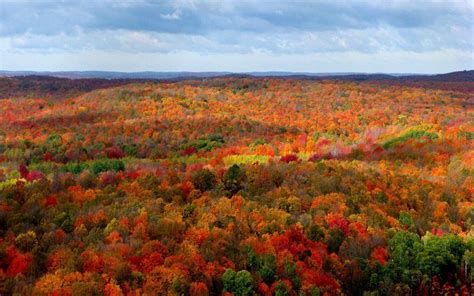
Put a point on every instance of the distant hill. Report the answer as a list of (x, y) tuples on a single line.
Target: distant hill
[(116, 75), (69, 84), (467, 76), (53, 87), (459, 76)]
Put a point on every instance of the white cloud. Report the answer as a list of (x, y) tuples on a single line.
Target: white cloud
[(171, 16), (258, 35), (441, 61)]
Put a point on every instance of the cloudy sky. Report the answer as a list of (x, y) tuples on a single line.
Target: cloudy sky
[(261, 35)]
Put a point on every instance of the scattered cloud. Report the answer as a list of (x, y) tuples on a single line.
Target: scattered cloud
[(285, 28), (171, 16)]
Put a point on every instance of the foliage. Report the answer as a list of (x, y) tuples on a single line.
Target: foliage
[(204, 180), (249, 186), (96, 166), (245, 159), (240, 283), (233, 179), (412, 134)]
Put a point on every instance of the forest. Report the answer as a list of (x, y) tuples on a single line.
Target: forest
[(237, 186)]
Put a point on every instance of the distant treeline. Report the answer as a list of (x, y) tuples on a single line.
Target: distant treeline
[(35, 86), (53, 87)]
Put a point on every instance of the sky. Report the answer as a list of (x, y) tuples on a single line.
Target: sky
[(406, 36)]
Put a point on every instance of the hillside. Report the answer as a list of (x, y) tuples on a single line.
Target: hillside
[(70, 84), (52, 87), (268, 186), (459, 76)]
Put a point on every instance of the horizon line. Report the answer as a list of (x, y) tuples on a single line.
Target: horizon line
[(229, 72)]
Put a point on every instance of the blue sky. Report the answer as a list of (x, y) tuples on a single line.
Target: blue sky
[(186, 35)]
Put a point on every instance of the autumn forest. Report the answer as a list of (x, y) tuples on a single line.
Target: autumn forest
[(236, 186)]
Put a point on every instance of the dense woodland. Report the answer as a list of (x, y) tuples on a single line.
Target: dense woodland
[(35, 86), (239, 186)]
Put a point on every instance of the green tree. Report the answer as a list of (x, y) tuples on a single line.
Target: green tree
[(441, 255), (281, 290), (204, 180), (267, 268), (468, 258), (402, 267), (335, 240), (53, 143), (233, 179), (239, 283), (406, 221)]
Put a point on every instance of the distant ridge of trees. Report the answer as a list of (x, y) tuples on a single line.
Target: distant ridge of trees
[(458, 76), (48, 84), (54, 87)]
